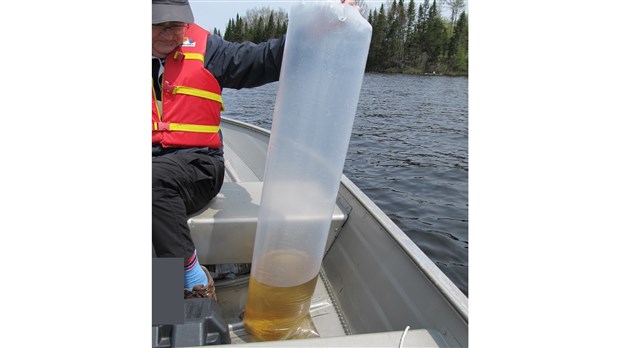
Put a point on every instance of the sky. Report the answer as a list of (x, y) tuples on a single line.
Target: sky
[(216, 13)]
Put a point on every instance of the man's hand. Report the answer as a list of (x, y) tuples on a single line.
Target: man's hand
[(350, 2)]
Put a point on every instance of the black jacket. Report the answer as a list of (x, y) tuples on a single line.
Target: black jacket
[(244, 65)]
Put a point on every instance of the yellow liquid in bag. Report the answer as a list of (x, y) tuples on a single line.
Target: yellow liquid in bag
[(277, 313)]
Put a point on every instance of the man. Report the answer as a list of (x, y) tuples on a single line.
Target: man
[(187, 162)]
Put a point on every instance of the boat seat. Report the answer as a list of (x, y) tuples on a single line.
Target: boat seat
[(224, 231)]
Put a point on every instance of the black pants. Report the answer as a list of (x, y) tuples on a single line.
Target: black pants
[(183, 183)]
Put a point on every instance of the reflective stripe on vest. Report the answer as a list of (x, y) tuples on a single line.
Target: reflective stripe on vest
[(197, 93), (187, 55), (197, 128)]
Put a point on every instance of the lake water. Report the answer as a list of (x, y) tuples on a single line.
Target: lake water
[(408, 153)]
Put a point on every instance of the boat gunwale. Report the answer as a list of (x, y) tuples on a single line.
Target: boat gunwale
[(452, 293)]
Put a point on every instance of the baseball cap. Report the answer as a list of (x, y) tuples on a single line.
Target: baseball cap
[(172, 11)]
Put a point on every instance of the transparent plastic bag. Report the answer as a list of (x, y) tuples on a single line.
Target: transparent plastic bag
[(320, 81)]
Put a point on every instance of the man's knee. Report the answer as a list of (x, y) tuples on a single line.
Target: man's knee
[(164, 170)]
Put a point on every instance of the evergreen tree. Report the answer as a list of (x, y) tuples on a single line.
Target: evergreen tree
[(270, 29), (409, 35), (228, 32), (240, 30), (420, 32), (258, 31), (377, 41), (399, 31), (436, 39), (458, 51), (395, 35)]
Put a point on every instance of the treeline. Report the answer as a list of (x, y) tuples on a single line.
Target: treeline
[(258, 25), (404, 38)]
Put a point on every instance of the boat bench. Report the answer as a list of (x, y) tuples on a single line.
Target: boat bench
[(224, 231)]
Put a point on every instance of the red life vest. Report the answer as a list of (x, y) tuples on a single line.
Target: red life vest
[(191, 98)]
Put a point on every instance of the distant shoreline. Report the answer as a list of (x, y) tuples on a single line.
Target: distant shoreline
[(413, 72)]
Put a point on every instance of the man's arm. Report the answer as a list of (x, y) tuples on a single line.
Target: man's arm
[(244, 65)]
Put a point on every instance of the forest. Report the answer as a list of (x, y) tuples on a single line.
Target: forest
[(412, 38)]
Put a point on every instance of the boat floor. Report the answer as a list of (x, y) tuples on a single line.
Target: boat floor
[(232, 296)]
